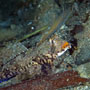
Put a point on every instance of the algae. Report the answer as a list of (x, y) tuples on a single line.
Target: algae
[(33, 33)]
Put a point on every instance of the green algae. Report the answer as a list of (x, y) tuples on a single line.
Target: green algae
[(33, 33)]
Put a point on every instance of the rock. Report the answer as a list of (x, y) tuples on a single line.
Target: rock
[(84, 70), (83, 49), (83, 55)]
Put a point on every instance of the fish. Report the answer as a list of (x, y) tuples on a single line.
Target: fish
[(38, 60), (60, 46)]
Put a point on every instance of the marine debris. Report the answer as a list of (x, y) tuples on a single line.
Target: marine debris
[(61, 20)]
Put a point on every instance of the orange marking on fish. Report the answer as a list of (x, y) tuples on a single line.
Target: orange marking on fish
[(65, 45)]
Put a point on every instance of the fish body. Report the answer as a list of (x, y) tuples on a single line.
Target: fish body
[(38, 60), (6, 79)]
